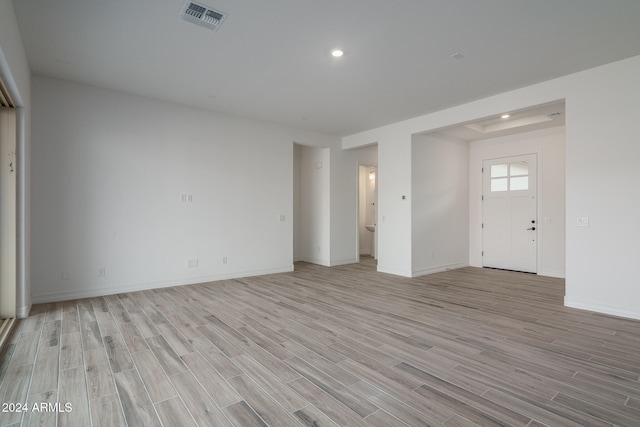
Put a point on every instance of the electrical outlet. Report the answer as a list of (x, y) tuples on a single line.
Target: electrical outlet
[(582, 221), (102, 272), (192, 263), (224, 259)]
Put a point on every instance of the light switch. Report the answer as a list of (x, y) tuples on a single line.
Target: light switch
[(582, 221)]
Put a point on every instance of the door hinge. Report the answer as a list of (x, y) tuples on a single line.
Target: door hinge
[(483, 197), (482, 170), (482, 253), (483, 225)]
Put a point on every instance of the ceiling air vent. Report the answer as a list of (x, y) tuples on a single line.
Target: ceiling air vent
[(202, 16)]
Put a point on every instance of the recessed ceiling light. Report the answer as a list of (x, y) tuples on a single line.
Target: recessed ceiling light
[(337, 53), (457, 55), (505, 116)]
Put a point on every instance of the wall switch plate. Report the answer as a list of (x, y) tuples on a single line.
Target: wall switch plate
[(192, 263), (65, 275), (224, 259), (582, 221), (283, 218), (102, 272)]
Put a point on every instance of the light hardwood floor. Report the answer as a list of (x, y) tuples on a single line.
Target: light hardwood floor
[(327, 346)]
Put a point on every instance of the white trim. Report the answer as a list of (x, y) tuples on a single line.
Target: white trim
[(344, 262), (90, 293), (317, 261), (438, 269), (23, 312), (552, 274), (598, 308), (6, 326), (402, 273)]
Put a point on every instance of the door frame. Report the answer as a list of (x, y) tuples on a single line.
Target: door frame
[(359, 164), (538, 204)]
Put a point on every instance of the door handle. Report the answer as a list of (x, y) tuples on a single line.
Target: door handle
[(532, 228)]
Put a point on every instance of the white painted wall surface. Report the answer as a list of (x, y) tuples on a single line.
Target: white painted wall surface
[(298, 242), (394, 203), (15, 72), (602, 110), (549, 145), (603, 148), (440, 204), (109, 171), (313, 240)]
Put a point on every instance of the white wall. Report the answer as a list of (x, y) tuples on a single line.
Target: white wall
[(313, 237), (440, 204), (15, 72), (549, 145), (394, 204), (298, 242), (109, 170), (602, 110), (603, 148)]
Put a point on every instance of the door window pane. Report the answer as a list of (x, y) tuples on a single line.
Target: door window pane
[(519, 183), (498, 171), (519, 169), (499, 184)]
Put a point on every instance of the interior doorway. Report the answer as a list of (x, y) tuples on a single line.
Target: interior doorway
[(367, 210), (509, 213)]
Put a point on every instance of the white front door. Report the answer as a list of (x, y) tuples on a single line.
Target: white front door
[(509, 213)]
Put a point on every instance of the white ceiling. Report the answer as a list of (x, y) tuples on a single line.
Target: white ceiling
[(530, 119), (270, 59)]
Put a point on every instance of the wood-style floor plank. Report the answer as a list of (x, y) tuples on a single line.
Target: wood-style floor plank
[(154, 377), (137, 407), (172, 412), (201, 406), (106, 411), (341, 346), (73, 391)]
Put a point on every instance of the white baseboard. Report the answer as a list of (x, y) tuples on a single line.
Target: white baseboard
[(438, 269), (383, 269), (23, 312), (551, 274), (322, 262), (599, 308), (98, 292), (344, 262), (6, 326)]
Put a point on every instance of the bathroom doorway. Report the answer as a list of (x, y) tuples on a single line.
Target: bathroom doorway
[(367, 211)]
